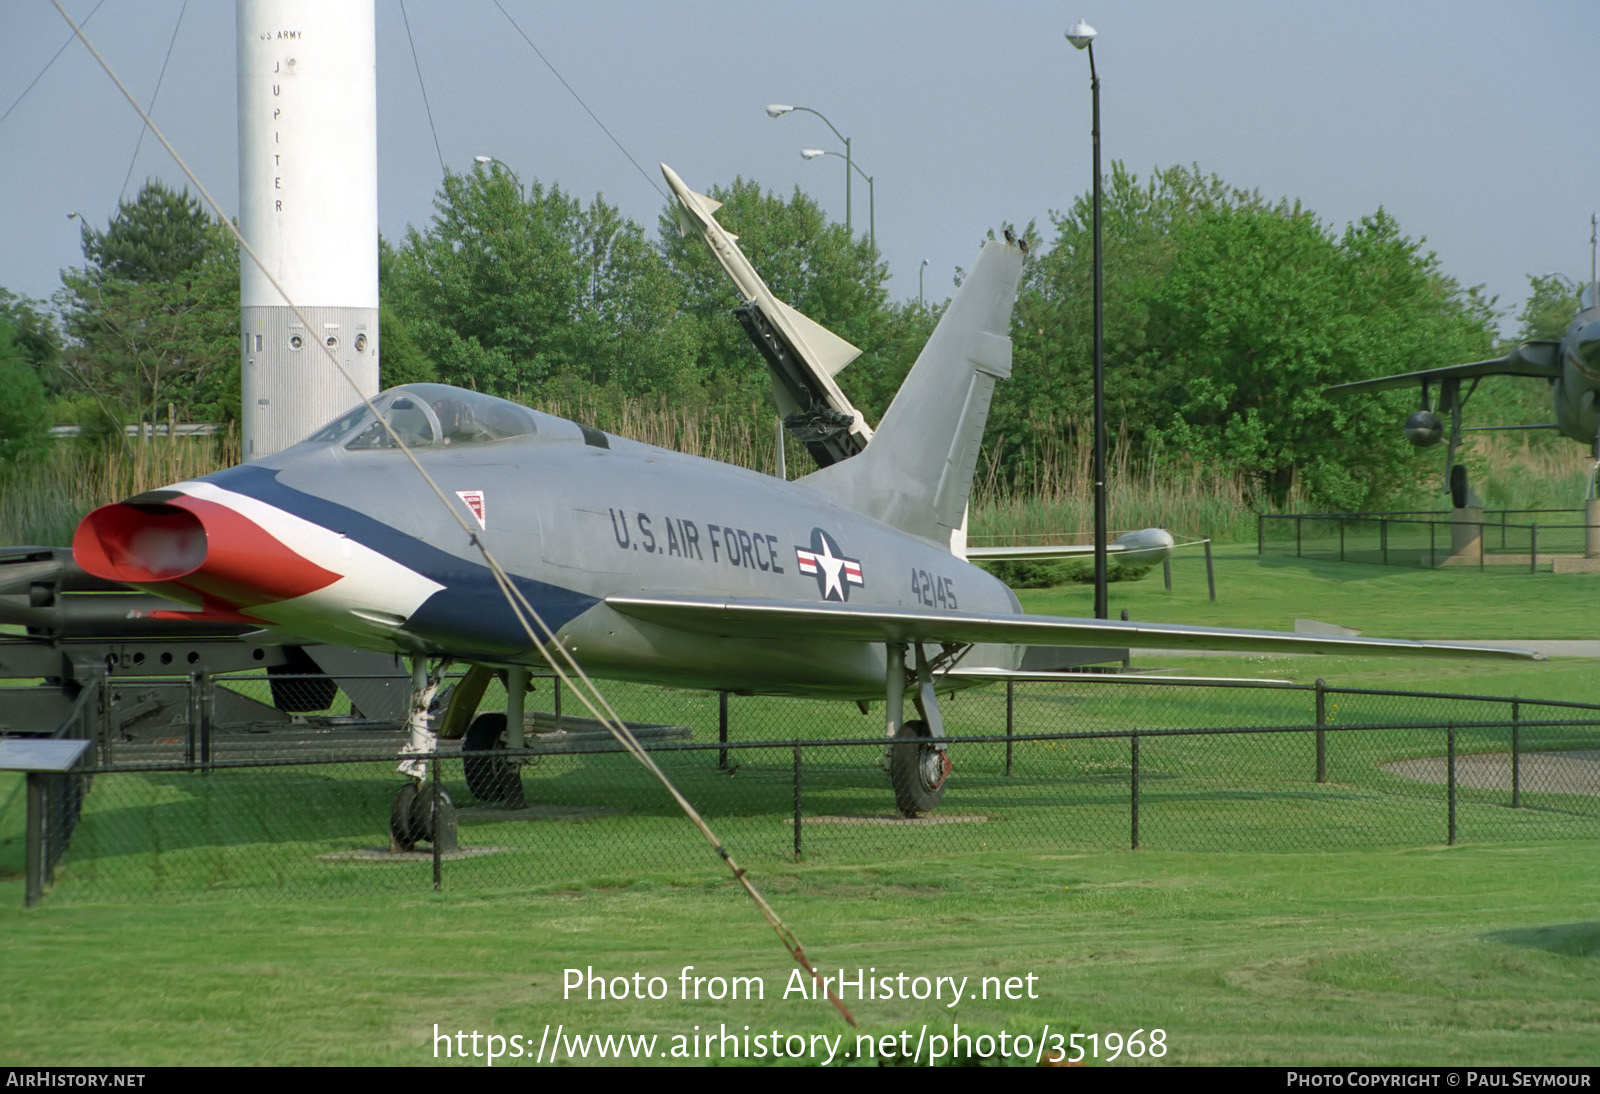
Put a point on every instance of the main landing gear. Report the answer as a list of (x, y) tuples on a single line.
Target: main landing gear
[(491, 776), (919, 764)]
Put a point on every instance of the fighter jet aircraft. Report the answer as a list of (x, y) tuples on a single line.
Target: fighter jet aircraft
[(1571, 366), (644, 564)]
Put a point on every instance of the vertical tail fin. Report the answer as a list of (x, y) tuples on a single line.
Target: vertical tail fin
[(917, 472)]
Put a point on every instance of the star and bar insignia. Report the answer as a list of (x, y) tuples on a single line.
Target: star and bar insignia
[(827, 563)]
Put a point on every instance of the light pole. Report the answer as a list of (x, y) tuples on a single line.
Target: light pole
[(1082, 37), (778, 110), (921, 304), (872, 200)]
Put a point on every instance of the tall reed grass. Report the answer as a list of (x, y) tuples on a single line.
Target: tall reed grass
[(1141, 492), (42, 500)]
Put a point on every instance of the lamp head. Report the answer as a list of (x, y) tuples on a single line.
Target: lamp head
[(1081, 35), (777, 110), (812, 153)]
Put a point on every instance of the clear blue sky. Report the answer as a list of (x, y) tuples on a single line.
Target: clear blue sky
[(1471, 122)]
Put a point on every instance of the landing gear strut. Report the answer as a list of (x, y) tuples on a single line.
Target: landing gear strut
[(421, 814)]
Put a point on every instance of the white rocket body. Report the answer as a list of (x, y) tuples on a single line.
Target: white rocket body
[(308, 193)]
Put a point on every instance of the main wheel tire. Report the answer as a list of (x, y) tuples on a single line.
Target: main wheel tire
[(491, 778), (917, 769), (1458, 486)]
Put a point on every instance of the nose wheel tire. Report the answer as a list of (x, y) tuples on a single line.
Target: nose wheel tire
[(917, 769), (413, 819), (491, 778)]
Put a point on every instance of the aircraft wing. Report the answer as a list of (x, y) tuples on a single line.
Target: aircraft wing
[(787, 620), (1540, 359)]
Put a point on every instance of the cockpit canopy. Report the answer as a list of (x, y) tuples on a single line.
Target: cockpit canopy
[(428, 415)]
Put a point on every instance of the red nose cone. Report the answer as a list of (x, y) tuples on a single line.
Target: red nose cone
[(193, 549)]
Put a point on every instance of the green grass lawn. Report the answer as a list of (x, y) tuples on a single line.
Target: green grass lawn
[(1471, 955), (1273, 590), (1265, 919)]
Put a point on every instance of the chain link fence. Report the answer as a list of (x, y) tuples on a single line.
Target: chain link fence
[(302, 805)]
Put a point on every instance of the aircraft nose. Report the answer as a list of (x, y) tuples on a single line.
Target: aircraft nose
[(140, 543), (190, 548)]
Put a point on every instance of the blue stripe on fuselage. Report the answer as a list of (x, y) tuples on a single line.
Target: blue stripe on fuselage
[(469, 616)]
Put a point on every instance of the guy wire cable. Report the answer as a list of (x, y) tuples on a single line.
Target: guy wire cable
[(527, 616)]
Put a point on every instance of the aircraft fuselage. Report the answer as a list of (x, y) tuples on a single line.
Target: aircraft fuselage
[(342, 541)]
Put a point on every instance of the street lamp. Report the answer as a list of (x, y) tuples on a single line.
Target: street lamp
[(778, 110), (872, 200), (1082, 37), (490, 161), (921, 304)]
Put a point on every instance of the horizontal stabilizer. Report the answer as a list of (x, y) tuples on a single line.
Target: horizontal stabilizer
[(1540, 359), (1145, 547), (788, 620)]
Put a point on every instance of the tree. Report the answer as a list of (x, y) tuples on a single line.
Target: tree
[(1226, 317), (521, 291), (33, 334), (1551, 304), (24, 411), (491, 288), (153, 316)]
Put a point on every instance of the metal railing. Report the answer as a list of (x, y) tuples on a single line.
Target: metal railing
[(1423, 538)]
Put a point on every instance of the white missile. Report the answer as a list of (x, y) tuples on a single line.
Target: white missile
[(822, 352)]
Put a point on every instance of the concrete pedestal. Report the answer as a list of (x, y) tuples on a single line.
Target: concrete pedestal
[(1466, 535)]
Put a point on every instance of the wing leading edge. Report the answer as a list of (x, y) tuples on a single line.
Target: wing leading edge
[(788, 619)]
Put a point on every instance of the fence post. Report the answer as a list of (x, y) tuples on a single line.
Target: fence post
[(1450, 782), (435, 812), (37, 854), (1322, 735), (189, 746), (1010, 703), (207, 701), (1297, 523), (1341, 539), (1260, 535), (1533, 548), (722, 730), (1211, 577), (1133, 792), (797, 803), (1166, 572), (1516, 755), (1431, 561), (1383, 538)]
